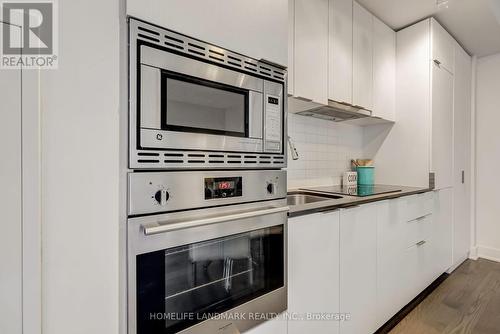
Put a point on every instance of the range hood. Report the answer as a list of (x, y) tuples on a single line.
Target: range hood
[(336, 112)]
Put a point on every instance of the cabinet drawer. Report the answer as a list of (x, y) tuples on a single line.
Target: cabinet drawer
[(418, 206), (417, 230)]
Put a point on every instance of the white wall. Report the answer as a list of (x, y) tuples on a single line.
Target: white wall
[(488, 156), (325, 149), (256, 28), (80, 172)]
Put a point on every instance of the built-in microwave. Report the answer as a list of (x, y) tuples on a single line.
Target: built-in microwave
[(196, 105)]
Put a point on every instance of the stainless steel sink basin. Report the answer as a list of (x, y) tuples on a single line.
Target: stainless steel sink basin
[(302, 197)]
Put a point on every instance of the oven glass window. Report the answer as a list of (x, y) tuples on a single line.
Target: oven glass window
[(181, 286), (196, 105)]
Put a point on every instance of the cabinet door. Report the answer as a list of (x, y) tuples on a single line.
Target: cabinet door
[(384, 70), (10, 203), (443, 230), (393, 271), (313, 271), (362, 92), (461, 168), (442, 126), (358, 269), (340, 51), (291, 46), (443, 47), (311, 50)]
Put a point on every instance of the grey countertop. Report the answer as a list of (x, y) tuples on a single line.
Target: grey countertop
[(348, 201)]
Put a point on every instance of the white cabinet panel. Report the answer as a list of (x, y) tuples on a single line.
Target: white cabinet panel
[(443, 47), (340, 51), (10, 203), (311, 50), (443, 230), (313, 271), (277, 325), (291, 46), (461, 163), (257, 28), (442, 126), (358, 269), (384, 70), (362, 94)]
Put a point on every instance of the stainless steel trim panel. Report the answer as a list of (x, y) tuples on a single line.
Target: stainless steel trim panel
[(186, 189)]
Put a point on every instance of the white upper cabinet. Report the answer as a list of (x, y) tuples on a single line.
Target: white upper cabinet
[(340, 51), (311, 50), (384, 71), (443, 47), (362, 94), (313, 271), (291, 46), (257, 28)]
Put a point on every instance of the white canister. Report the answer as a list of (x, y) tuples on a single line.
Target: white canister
[(350, 179)]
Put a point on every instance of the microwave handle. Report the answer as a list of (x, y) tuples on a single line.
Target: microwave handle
[(156, 228)]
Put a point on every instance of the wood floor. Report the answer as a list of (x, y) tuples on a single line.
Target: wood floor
[(467, 302)]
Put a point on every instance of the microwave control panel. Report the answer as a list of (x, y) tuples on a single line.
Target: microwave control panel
[(273, 127)]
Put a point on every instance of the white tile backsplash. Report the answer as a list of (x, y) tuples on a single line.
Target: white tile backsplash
[(325, 150)]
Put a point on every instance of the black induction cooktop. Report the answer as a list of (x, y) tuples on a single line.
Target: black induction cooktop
[(359, 190)]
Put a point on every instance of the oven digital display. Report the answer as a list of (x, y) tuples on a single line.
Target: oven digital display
[(226, 187)]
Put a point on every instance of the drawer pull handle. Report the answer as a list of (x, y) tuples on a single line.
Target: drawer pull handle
[(420, 243)]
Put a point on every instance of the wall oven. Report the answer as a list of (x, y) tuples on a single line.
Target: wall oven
[(206, 261), (193, 104)]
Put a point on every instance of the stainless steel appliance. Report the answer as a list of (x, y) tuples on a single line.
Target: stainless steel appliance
[(196, 105), (205, 250)]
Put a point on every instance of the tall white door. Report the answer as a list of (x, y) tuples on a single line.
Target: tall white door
[(461, 171), (442, 126), (10, 203)]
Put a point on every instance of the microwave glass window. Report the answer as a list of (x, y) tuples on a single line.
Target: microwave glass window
[(194, 105), (187, 284)]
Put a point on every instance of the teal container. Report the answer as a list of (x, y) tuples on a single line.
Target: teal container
[(366, 175)]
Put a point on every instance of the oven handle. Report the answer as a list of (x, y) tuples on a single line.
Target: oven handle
[(151, 229)]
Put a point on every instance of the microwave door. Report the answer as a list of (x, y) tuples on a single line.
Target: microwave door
[(184, 112)]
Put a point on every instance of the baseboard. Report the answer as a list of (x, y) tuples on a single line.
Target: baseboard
[(488, 253), (473, 253)]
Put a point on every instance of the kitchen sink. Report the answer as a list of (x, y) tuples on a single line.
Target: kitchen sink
[(302, 197)]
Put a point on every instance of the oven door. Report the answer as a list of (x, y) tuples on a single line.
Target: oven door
[(188, 104), (202, 271)]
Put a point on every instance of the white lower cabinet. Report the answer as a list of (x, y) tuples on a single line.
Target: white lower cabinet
[(313, 272), (367, 261), (358, 269)]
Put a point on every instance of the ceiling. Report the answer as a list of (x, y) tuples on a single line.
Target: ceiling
[(474, 23)]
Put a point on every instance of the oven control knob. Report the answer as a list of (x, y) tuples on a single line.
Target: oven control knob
[(162, 196), (270, 188)]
